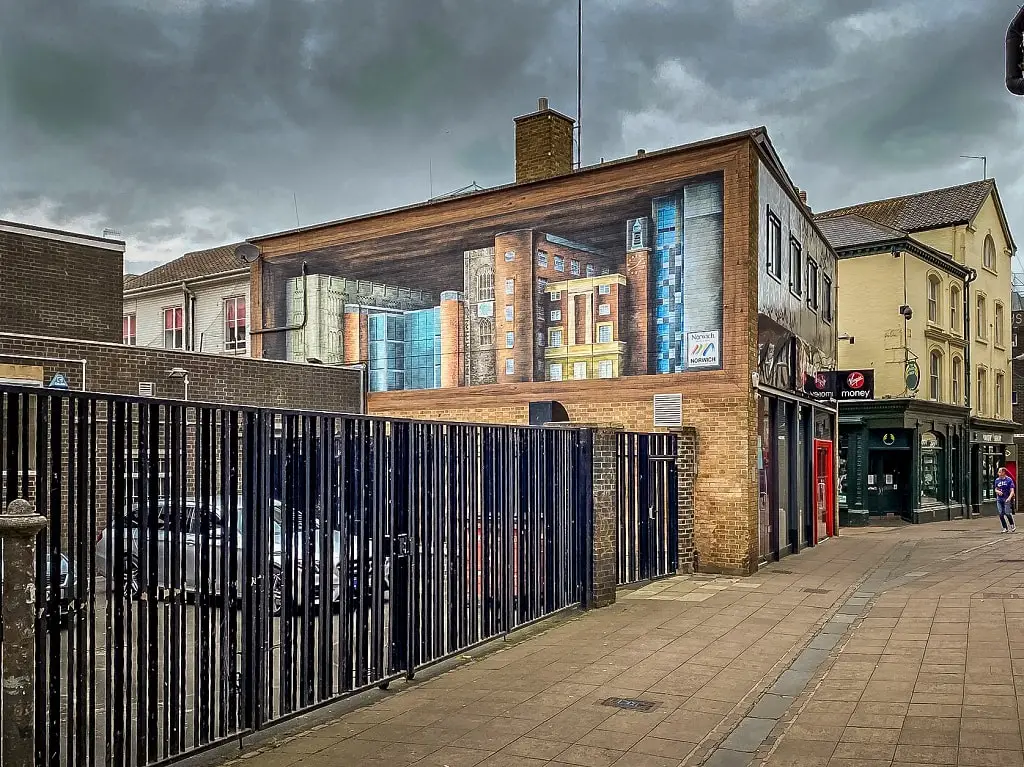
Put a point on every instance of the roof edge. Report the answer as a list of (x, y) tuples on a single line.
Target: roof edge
[(59, 235), (749, 134), (188, 280)]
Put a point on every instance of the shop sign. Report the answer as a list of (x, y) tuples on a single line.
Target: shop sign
[(913, 375), (841, 385), (988, 437), (855, 384), (703, 349)]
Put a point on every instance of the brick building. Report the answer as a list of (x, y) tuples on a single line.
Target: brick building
[(61, 295), (670, 272)]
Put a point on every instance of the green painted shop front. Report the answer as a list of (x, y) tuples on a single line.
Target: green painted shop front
[(906, 457)]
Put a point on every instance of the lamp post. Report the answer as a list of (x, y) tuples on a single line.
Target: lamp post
[(182, 375)]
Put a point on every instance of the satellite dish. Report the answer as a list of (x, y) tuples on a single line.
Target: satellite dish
[(247, 253)]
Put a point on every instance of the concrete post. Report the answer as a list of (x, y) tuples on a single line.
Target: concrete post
[(19, 526)]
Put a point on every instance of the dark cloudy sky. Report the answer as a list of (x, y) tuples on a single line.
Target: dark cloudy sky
[(191, 123)]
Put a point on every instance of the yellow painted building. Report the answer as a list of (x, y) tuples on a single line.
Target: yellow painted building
[(924, 302), (582, 328)]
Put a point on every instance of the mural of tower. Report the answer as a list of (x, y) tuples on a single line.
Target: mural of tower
[(479, 341), (453, 320), (637, 296)]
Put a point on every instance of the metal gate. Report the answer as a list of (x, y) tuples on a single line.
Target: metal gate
[(648, 507), (207, 570)]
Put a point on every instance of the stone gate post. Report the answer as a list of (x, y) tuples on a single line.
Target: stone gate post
[(19, 526)]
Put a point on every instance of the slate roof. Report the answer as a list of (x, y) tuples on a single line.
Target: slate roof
[(851, 229), (191, 266), (925, 210)]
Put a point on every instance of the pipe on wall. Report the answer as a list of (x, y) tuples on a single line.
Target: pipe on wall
[(1015, 55), (305, 310)]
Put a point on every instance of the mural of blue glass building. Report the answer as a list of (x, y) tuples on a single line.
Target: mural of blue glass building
[(686, 273), (423, 349), (405, 350)]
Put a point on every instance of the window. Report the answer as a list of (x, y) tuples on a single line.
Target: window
[(542, 258), (997, 322), (579, 371), (555, 372), (982, 319), (605, 369), (510, 255), (982, 404), (1013, 398), (935, 376), (590, 270), (485, 286), (559, 264), (774, 247), (604, 310), (510, 340), (485, 309), (957, 376), (637, 239), (795, 267), (604, 290), (174, 328), (933, 468), (812, 285), (954, 310), (998, 394), (510, 313), (933, 298), (556, 295), (555, 337), (128, 330), (574, 267), (992, 458), (235, 327), (510, 287), (604, 334), (510, 367), (826, 298), (556, 315), (486, 333), (989, 257)]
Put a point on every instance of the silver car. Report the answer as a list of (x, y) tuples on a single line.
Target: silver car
[(188, 577)]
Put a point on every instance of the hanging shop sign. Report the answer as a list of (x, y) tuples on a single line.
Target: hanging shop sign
[(913, 376)]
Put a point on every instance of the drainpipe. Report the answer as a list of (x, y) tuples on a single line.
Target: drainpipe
[(305, 311), (189, 301), (1015, 55), (968, 389)]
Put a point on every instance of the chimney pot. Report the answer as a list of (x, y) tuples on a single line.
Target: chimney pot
[(542, 104), (641, 152), (803, 196)]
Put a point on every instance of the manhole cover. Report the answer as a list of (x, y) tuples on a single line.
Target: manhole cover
[(631, 704), (816, 591)]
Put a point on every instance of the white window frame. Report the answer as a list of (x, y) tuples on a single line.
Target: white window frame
[(237, 345)]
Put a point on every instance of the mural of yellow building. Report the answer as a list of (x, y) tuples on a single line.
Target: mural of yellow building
[(581, 321)]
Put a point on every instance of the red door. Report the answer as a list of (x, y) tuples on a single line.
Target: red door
[(824, 490)]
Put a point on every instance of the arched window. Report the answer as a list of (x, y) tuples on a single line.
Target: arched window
[(485, 285), (954, 310), (486, 333), (935, 376), (958, 374), (989, 258), (933, 298), (638, 234)]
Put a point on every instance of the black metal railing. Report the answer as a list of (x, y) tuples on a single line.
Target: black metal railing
[(208, 570), (648, 507)]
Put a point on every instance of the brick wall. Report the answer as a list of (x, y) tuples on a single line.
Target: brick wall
[(686, 476), (56, 284), (544, 145), (118, 369)]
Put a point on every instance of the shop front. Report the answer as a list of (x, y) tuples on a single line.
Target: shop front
[(796, 473), (905, 458), (992, 446)]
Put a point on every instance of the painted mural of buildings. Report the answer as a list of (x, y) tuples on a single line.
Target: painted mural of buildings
[(536, 306)]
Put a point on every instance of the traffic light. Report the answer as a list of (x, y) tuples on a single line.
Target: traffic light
[(1015, 55)]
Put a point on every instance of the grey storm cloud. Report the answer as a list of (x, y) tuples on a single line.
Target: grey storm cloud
[(189, 123)]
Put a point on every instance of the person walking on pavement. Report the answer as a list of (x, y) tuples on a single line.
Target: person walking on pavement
[(1006, 493)]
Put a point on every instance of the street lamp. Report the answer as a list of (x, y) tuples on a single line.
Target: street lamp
[(182, 374)]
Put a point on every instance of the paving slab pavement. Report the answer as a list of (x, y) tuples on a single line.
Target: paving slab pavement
[(892, 646)]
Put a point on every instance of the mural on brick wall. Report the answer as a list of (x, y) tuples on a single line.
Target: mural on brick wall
[(540, 304)]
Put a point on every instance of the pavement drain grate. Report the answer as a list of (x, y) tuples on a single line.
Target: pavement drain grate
[(815, 591), (999, 595), (1012, 561), (780, 572), (631, 704)]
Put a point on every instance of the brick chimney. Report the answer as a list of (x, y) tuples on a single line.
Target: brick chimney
[(803, 198), (544, 146)]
